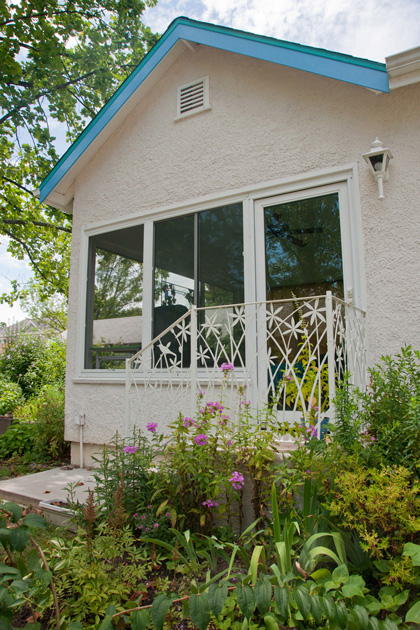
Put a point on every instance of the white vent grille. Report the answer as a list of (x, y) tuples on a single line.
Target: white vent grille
[(193, 98)]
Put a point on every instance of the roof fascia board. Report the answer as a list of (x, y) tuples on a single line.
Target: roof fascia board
[(333, 65)]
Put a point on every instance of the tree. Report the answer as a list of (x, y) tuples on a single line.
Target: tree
[(60, 60)]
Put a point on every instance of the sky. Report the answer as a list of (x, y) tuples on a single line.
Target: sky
[(373, 29)]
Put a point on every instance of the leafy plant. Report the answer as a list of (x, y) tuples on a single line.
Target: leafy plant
[(19, 439), (10, 395), (46, 412), (25, 578)]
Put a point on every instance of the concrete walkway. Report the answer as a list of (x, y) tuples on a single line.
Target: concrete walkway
[(48, 484)]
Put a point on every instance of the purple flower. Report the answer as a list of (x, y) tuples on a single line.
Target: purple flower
[(229, 443), (152, 427), (201, 439), (237, 480), (308, 471), (135, 515), (143, 517), (156, 525), (149, 507), (227, 367), (140, 526), (130, 449), (147, 529), (168, 514)]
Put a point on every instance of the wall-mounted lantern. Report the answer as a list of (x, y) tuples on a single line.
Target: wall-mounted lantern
[(378, 159)]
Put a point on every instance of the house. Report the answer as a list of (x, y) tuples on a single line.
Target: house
[(222, 202)]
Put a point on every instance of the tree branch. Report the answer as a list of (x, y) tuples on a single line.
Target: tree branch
[(27, 250), (47, 92), (11, 181), (39, 223)]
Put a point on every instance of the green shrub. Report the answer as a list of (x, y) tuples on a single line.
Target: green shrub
[(32, 362), (19, 439), (381, 505), (46, 412), (10, 396)]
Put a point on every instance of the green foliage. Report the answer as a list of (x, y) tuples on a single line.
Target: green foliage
[(33, 361), (46, 413), (10, 395), (89, 579), (127, 463), (60, 63), (381, 505), (24, 579), (19, 439)]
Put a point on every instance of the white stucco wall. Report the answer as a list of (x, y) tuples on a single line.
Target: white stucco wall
[(266, 123)]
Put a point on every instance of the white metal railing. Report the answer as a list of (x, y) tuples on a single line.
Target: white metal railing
[(287, 353)]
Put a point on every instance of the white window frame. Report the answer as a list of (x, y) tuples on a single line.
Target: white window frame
[(341, 179)]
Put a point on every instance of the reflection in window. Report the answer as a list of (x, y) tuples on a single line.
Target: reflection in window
[(303, 248), (114, 298), (198, 260), (303, 258)]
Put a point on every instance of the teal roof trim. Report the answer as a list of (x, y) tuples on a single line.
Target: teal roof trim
[(362, 72)]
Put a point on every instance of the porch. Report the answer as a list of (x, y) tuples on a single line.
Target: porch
[(286, 356)]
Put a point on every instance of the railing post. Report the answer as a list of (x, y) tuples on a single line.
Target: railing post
[(193, 358), (127, 398), (330, 352)]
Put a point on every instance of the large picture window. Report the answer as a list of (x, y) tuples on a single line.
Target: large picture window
[(114, 298)]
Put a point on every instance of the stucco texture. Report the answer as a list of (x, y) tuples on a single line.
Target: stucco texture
[(266, 122)]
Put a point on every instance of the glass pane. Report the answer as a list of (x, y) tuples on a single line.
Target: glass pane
[(303, 248), (220, 256), (174, 271), (221, 279), (115, 294), (303, 259)]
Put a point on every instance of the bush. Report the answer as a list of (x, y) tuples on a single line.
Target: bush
[(46, 412), (10, 396), (32, 362), (19, 439)]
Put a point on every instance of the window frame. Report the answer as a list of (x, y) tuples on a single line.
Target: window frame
[(249, 197)]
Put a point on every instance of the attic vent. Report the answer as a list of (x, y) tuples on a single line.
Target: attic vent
[(193, 98)]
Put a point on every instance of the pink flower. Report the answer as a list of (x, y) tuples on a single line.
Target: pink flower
[(152, 427), (167, 514), (130, 449), (201, 439), (237, 480), (227, 367), (156, 525)]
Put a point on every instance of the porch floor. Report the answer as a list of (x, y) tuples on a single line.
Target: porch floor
[(48, 484)]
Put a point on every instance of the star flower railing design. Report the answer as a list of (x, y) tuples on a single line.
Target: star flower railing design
[(286, 354)]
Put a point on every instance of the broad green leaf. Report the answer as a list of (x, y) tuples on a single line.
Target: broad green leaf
[(303, 601), (14, 509), (388, 624), (159, 610), (246, 600), (413, 551), (281, 597), (413, 614), (316, 610), (340, 574), (19, 585), (5, 570), (5, 620), (199, 610), (341, 615), (329, 608), (5, 536), (34, 520), (358, 618), (271, 623), (139, 620), (19, 538), (75, 625), (253, 567), (217, 598), (373, 624), (351, 590), (321, 575), (33, 626), (262, 592)]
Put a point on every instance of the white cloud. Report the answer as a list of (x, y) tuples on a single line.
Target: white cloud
[(364, 28)]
